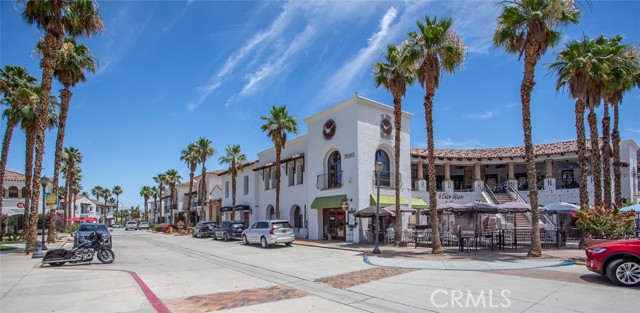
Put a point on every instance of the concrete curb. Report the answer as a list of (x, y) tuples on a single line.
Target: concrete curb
[(326, 247)]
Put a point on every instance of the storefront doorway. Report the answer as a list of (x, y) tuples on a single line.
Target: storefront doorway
[(334, 224)]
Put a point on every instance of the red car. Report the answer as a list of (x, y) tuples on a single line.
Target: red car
[(618, 260)]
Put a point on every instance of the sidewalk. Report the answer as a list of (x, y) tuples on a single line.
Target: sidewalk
[(421, 257)]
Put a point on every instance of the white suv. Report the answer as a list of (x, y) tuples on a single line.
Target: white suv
[(131, 225), (269, 232)]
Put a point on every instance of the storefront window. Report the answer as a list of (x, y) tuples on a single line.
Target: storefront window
[(334, 166)]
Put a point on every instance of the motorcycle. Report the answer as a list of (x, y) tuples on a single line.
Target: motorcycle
[(84, 252)]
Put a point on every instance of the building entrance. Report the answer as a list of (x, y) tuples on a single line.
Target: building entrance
[(334, 224)]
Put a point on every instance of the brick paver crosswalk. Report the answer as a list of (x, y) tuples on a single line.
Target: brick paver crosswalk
[(233, 299), (347, 280)]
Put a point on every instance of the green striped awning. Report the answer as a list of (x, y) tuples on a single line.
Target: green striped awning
[(418, 203), (328, 202), (387, 200)]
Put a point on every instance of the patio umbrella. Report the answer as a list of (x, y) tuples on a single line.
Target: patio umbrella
[(515, 207), (91, 219), (478, 207), (75, 219), (392, 209), (560, 208), (371, 212), (635, 207)]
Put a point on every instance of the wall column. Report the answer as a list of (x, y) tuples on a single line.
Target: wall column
[(511, 178), (422, 183), (447, 183), (549, 181), (478, 184)]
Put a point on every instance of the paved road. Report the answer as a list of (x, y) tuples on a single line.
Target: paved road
[(198, 275)]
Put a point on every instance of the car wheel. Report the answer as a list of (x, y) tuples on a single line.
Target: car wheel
[(624, 272), (193, 233), (215, 237), (225, 237), (245, 241), (288, 244), (263, 242)]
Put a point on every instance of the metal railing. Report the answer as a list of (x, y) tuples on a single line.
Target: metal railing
[(329, 180), (491, 195), (387, 179), (515, 194)]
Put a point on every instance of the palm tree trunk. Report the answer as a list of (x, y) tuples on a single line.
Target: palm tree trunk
[(233, 190), (595, 152), (278, 152), (171, 218), (51, 46), (5, 153), (189, 199), (28, 173), (65, 97), (203, 189), (582, 153), (397, 113), (161, 208), (606, 155), (530, 60), (433, 213), (615, 138)]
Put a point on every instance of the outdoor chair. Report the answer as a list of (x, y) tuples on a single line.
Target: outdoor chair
[(390, 236)]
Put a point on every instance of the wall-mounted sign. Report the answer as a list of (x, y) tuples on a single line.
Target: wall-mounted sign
[(385, 127), (329, 129), (350, 155)]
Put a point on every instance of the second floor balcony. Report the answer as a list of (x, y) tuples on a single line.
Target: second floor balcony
[(387, 179)]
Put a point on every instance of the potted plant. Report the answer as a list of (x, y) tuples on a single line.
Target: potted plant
[(599, 225)]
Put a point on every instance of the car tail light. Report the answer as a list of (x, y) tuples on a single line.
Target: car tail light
[(271, 230)]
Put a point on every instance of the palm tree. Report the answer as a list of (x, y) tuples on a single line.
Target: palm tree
[(145, 192), (173, 178), (117, 190), (106, 193), (206, 151), (190, 156), (160, 179), (277, 125), (154, 195), (71, 158), (394, 74), (72, 61), (235, 159), (437, 48), (56, 18), (575, 66), (15, 86), (528, 27), (625, 70)]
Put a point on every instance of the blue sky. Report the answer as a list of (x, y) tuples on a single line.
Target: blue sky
[(173, 71)]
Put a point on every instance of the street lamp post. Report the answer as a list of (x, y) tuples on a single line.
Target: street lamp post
[(40, 247), (376, 249)]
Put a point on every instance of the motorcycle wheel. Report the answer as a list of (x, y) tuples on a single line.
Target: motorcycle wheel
[(106, 256)]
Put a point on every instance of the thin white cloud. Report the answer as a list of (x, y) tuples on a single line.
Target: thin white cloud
[(512, 104), (633, 130), (278, 26), (481, 116), (449, 143), (342, 79)]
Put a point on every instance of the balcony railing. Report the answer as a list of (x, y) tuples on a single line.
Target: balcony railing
[(329, 180), (387, 179)]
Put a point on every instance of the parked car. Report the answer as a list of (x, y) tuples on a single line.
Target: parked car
[(229, 230), (204, 229), (269, 232), (143, 225), (86, 229), (618, 260), (131, 225), (118, 226)]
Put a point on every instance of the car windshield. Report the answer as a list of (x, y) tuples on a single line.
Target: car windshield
[(237, 225), (281, 225), (90, 227)]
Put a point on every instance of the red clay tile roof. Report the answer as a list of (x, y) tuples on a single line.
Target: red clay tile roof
[(248, 164), (13, 176), (216, 172), (505, 152)]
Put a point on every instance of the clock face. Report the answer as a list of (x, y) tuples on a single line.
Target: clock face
[(329, 129), (385, 128)]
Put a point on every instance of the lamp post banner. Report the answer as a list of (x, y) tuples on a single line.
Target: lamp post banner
[(51, 199)]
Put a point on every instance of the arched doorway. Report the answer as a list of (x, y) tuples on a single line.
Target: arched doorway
[(296, 217), (334, 170), (385, 175)]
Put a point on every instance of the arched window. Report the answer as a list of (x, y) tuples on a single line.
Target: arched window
[(13, 192), (24, 192), (385, 175), (334, 167)]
